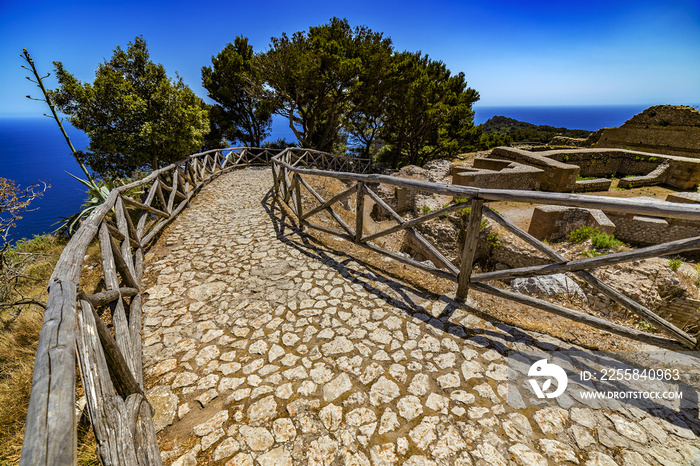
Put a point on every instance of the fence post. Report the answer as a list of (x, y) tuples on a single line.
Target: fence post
[(297, 195), (275, 179), (359, 211), (470, 243)]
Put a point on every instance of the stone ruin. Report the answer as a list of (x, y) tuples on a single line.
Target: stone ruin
[(576, 170), (660, 145), (663, 129)]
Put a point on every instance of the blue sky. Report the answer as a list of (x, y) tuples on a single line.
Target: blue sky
[(512, 52)]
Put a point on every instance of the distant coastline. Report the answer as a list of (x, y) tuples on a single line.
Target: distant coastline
[(590, 118)]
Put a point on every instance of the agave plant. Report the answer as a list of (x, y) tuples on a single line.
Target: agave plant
[(97, 195)]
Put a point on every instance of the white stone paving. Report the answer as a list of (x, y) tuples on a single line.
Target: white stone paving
[(277, 351)]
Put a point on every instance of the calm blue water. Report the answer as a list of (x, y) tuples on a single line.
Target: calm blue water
[(589, 118), (33, 149)]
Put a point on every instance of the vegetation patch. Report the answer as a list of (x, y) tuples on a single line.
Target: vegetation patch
[(21, 317), (675, 264), (599, 240), (604, 241)]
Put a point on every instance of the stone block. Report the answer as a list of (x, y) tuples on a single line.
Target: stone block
[(556, 222)]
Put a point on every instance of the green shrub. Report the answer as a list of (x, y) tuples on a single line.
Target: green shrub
[(598, 240), (426, 210), (675, 264), (581, 234), (604, 241), (645, 326), (492, 239)]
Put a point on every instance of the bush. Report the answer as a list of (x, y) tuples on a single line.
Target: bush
[(581, 234), (675, 264), (604, 241), (598, 240)]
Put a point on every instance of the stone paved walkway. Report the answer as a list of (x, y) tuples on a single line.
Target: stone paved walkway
[(261, 347)]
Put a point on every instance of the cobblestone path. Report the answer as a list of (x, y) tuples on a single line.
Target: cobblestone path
[(261, 347)]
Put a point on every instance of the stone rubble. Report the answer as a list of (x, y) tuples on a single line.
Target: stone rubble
[(269, 349)]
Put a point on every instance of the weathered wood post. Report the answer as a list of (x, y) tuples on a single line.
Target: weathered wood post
[(297, 195), (275, 180), (470, 242), (359, 211)]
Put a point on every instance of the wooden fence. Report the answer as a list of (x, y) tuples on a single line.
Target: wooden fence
[(110, 363), (127, 224), (291, 166)]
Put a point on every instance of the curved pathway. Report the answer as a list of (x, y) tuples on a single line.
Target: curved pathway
[(261, 347)]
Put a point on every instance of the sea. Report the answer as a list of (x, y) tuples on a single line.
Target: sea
[(33, 150)]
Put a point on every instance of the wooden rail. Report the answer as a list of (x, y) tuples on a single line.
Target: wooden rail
[(291, 166), (133, 215), (110, 363)]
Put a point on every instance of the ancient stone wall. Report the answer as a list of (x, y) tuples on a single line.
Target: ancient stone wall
[(607, 163), (556, 222), (498, 174), (663, 129), (562, 167), (557, 176), (645, 231), (516, 253), (683, 312)]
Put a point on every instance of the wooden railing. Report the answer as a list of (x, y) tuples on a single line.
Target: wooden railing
[(110, 363), (290, 168)]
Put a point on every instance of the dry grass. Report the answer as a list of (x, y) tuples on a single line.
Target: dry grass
[(20, 327), (17, 350)]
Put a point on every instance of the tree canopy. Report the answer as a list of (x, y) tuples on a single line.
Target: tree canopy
[(242, 113), (340, 86), (316, 76), (429, 112), (135, 115)]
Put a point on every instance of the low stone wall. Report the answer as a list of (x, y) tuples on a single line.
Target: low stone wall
[(556, 222), (645, 231), (604, 163), (562, 167), (566, 141), (556, 176), (496, 173), (684, 312), (513, 253), (655, 177), (684, 198), (586, 186)]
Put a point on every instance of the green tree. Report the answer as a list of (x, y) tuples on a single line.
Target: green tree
[(242, 113), (135, 116), (314, 78), (429, 112), (369, 98)]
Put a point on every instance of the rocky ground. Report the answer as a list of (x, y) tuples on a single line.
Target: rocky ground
[(261, 347)]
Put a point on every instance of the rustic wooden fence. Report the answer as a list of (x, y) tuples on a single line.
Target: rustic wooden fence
[(110, 362), (291, 166)]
